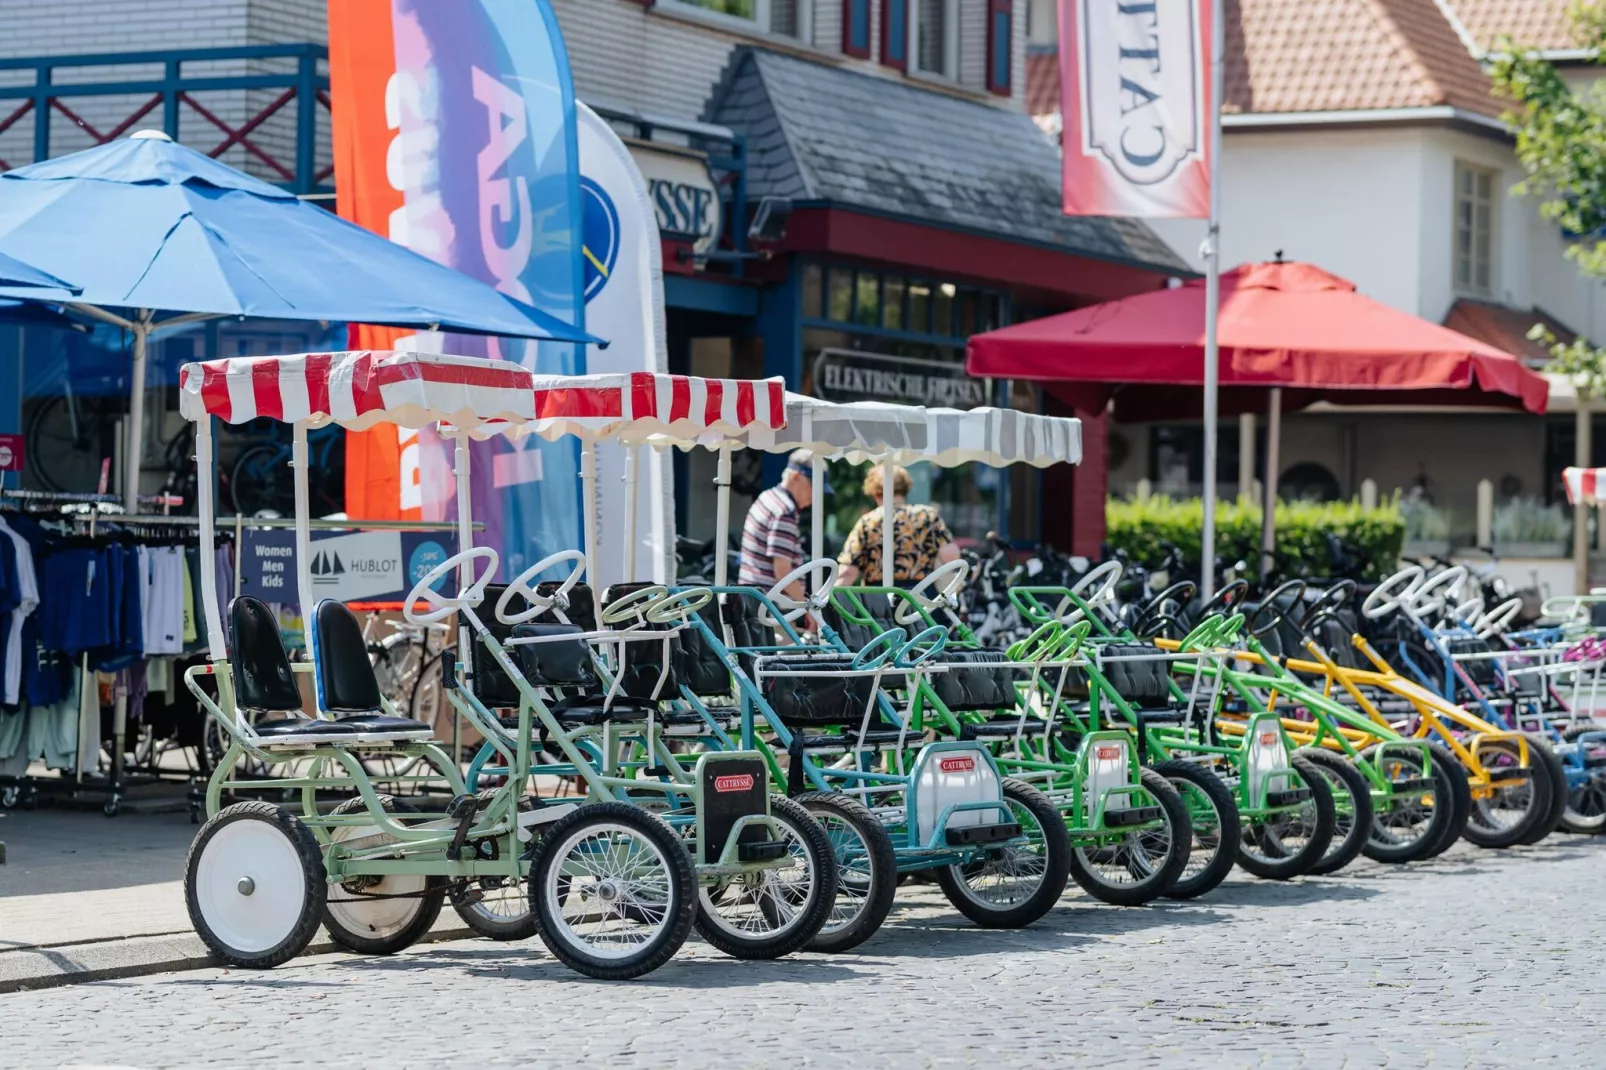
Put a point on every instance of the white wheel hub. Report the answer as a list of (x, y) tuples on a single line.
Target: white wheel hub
[(250, 886), (358, 905)]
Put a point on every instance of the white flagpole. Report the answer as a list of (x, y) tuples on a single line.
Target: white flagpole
[(1212, 251)]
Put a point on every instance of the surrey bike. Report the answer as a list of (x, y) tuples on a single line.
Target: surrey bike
[(611, 884)]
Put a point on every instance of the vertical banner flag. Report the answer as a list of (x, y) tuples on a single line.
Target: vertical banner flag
[(1134, 96), (624, 288), (454, 135)]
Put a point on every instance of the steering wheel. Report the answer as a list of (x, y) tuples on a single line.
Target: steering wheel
[(1269, 605), (1205, 633), (1154, 615), (1098, 586), (926, 645), (946, 580), (1495, 621), (540, 603), (1385, 597), (880, 650), (467, 598), (1468, 613), (1226, 598), (791, 608), (1328, 602), (1431, 596), (635, 605), (678, 607)]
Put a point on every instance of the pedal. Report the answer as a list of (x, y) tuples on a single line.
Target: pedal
[(1289, 797), (660, 771), (768, 851), (544, 815), (472, 893), (449, 669), (462, 810), (970, 835), (1133, 815), (1412, 785)]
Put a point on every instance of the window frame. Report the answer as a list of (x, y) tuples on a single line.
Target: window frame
[(757, 26), (950, 44), (1475, 200)]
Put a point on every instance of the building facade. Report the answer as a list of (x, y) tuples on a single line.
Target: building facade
[(846, 190)]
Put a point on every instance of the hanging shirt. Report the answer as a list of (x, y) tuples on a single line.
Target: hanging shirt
[(28, 588), (162, 609)]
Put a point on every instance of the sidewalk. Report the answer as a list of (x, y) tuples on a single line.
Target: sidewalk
[(84, 898)]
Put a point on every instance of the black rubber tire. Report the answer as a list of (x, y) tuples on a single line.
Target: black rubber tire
[(1193, 780), (1056, 871), (1541, 801), (1343, 777), (1581, 824), (682, 889), (491, 925), (1159, 880), (308, 854), (434, 894), (879, 867), (1455, 773), (1446, 820), (1315, 848), (822, 857), (1558, 792)]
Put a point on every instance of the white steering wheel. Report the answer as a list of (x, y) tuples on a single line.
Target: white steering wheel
[(791, 608), (946, 581), (541, 603), (1468, 613), (1495, 621), (1387, 596), (467, 598), (635, 606), (1432, 595), (679, 607), (1097, 588)]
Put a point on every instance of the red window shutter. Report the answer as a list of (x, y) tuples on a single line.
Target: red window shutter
[(1000, 47)]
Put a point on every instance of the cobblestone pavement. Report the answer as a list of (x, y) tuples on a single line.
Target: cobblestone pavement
[(1491, 958)]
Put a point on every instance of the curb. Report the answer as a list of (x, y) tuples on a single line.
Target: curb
[(33, 968)]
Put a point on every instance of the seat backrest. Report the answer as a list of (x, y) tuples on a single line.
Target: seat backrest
[(1483, 671), (492, 686), (1143, 682), (258, 665), (641, 663), (699, 665), (346, 681), (564, 663), (858, 634), (804, 701), (973, 682)]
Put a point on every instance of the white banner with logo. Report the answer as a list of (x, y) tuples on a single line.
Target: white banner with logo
[(625, 304), (1134, 96)]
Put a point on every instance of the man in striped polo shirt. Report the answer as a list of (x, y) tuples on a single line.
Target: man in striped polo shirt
[(772, 545)]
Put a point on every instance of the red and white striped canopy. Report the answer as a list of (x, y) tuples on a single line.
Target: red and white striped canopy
[(1585, 485), (362, 388)]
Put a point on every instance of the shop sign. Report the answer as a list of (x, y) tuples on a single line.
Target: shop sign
[(11, 453), (685, 196), (847, 375), (358, 566)]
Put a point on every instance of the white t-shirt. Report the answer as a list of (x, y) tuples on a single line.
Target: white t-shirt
[(28, 580)]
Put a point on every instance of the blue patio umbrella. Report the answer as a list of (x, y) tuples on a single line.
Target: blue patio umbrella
[(154, 234), (15, 273)]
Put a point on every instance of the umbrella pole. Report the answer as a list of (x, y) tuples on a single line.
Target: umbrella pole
[(722, 515), (1268, 507), (136, 411), (1212, 370)]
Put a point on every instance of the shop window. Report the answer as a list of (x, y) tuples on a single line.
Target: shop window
[(867, 305), (1474, 230), (839, 295), (942, 308), (892, 303), (785, 18), (934, 37), (969, 300), (920, 307), (895, 33), (813, 291), (856, 28), (1000, 54)]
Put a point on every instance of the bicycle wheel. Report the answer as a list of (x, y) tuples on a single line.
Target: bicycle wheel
[(261, 479), (68, 439)]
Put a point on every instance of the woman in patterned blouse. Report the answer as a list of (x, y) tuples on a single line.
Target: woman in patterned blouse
[(921, 541)]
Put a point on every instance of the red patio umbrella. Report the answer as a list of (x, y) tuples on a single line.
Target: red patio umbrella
[(1291, 327)]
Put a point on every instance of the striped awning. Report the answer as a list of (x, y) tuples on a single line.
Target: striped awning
[(1584, 485)]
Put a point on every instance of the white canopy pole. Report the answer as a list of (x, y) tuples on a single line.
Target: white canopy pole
[(216, 648), (1212, 250), (298, 467), (632, 501), (722, 515), (465, 573), (889, 512), (136, 411), (1268, 506), (816, 482), (588, 521)]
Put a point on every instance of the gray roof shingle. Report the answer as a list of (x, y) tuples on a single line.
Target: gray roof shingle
[(821, 133)]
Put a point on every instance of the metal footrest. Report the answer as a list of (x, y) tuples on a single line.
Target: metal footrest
[(1288, 797), (768, 851), (970, 835), (1132, 815)]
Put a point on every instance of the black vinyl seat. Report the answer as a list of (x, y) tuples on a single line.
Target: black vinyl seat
[(1003, 728), (263, 681), (346, 681)]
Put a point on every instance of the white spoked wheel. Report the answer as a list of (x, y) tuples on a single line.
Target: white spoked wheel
[(940, 590), (613, 891), (1096, 589), (1434, 593), (767, 913), (1387, 596), (379, 915), (522, 585), (254, 885), (471, 588), (791, 609)]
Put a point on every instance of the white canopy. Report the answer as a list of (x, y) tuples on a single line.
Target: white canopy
[(990, 436)]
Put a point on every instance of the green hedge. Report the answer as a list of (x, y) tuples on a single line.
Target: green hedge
[(1139, 529)]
